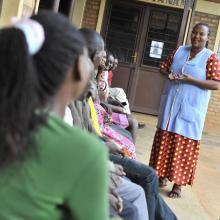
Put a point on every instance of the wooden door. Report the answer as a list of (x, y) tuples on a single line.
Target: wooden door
[(121, 33), (159, 37), (141, 35)]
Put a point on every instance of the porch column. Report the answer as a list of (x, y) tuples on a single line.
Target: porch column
[(76, 16), (189, 9), (9, 8)]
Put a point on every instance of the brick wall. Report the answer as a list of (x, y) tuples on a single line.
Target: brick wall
[(91, 12), (213, 115)]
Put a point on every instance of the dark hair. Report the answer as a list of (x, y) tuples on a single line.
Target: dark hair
[(18, 97), (23, 88), (61, 49), (115, 55), (203, 24), (207, 26), (93, 41), (109, 53)]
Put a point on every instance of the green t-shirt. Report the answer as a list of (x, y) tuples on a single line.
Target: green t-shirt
[(70, 167)]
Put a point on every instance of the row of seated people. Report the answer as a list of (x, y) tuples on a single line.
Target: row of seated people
[(48, 169), (137, 184)]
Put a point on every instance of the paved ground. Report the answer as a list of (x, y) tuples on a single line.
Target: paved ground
[(202, 201)]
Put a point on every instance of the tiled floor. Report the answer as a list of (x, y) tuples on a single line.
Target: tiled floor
[(202, 201)]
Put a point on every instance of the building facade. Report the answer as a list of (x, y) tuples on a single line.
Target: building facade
[(96, 12), (141, 33)]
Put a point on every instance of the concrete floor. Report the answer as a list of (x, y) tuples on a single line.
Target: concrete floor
[(202, 200)]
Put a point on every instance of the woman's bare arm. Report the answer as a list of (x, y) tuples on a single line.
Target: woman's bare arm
[(204, 84)]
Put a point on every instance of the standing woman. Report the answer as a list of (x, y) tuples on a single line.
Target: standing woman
[(47, 168), (191, 72)]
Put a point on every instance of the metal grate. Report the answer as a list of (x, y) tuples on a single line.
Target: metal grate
[(122, 32), (161, 40)]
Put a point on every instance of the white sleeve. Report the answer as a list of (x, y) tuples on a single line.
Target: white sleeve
[(68, 117)]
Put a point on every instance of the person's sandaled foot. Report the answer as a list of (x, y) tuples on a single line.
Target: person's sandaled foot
[(175, 192), (162, 182)]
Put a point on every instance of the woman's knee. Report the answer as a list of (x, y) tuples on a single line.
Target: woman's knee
[(148, 174)]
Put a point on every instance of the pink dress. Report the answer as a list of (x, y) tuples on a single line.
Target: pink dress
[(119, 139), (120, 119)]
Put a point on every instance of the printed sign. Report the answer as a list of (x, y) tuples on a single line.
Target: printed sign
[(170, 3), (156, 49), (179, 3)]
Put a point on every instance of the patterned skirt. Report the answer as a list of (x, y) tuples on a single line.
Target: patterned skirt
[(175, 157)]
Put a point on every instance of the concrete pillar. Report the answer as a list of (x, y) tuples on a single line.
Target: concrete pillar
[(10, 8), (78, 11)]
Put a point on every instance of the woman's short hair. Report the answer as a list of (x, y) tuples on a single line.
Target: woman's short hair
[(62, 47), (94, 41)]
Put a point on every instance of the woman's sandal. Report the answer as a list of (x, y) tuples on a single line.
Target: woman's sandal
[(163, 182), (175, 192)]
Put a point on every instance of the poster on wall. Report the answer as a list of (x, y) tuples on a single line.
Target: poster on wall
[(156, 49)]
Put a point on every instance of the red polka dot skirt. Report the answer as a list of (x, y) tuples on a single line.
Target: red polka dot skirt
[(175, 157)]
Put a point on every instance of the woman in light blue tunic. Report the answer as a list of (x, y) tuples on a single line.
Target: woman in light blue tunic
[(191, 71)]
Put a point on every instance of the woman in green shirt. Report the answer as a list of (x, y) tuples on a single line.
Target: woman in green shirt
[(46, 166)]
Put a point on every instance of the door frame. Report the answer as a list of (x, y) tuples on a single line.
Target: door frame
[(104, 31), (133, 82), (189, 5), (143, 37), (142, 34), (188, 13)]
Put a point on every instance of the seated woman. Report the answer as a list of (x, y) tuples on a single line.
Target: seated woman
[(42, 172), (137, 172), (117, 111), (116, 94)]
